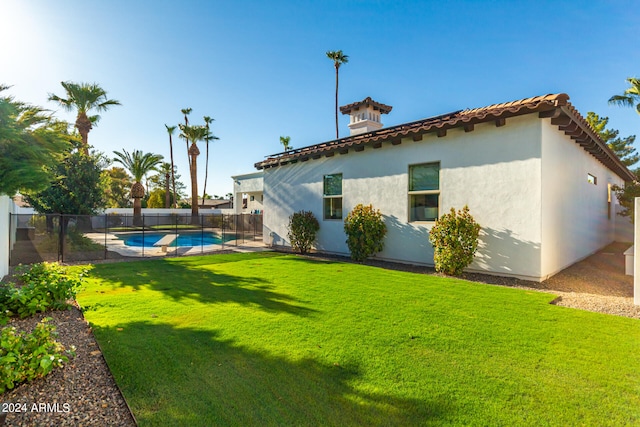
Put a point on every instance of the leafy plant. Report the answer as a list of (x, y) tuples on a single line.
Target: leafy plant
[(365, 231), (626, 195), (303, 227), (26, 356), (45, 286), (455, 240)]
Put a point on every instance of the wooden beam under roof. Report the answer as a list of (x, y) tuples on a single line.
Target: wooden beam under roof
[(570, 127), (555, 113), (561, 121), (574, 132)]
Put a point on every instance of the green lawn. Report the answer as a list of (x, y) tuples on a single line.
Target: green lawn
[(272, 339)]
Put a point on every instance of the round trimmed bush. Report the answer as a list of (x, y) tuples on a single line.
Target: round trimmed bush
[(365, 231), (455, 240), (303, 227)]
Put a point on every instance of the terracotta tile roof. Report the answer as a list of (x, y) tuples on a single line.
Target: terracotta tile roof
[(384, 109), (554, 106)]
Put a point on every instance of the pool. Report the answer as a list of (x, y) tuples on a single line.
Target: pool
[(147, 240)]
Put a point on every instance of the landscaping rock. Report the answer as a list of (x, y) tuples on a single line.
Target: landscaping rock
[(82, 393)]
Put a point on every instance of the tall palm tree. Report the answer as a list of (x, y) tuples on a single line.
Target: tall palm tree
[(207, 120), (284, 140), (170, 130), (338, 59), (193, 134), (138, 164), (163, 180), (630, 97), (84, 97), (186, 112)]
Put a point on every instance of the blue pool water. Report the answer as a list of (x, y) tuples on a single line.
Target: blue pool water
[(149, 239)]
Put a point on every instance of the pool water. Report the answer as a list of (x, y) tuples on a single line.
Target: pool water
[(147, 240)]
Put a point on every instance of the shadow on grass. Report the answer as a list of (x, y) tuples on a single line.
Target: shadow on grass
[(180, 376), (191, 278)]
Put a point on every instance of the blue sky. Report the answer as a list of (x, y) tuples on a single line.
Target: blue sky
[(259, 67)]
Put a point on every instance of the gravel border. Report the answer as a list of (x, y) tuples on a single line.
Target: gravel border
[(84, 383)]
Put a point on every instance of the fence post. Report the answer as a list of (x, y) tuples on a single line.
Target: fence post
[(106, 231), (142, 235), (9, 247), (176, 219), (636, 256), (222, 228), (61, 227)]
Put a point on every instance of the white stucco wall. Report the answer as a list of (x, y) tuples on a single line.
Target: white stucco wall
[(495, 171), (575, 221), (250, 184), (6, 207)]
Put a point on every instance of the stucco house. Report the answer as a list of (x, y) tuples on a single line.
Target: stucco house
[(534, 174), (247, 191)]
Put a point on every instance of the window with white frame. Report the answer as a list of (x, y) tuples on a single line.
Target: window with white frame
[(332, 196), (424, 191)]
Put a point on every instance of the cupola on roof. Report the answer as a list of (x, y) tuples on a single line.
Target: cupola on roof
[(365, 115)]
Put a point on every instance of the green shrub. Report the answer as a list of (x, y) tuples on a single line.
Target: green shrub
[(26, 356), (455, 240), (303, 227), (365, 231), (46, 286)]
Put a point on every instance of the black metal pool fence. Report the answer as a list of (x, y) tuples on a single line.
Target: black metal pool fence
[(68, 238)]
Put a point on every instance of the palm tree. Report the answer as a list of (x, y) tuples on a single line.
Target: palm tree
[(193, 134), (170, 130), (284, 140), (630, 97), (186, 112), (209, 137), (138, 164), (338, 59), (84, 97), (163, 180)]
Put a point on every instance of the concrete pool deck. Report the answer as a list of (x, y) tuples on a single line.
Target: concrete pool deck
[(115, 244)]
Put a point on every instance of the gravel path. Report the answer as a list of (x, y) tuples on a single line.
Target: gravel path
[(84, 383), (596, 284)]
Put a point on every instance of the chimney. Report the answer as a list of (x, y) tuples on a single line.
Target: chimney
[(365, 115)]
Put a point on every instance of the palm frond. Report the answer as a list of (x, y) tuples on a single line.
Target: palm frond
[(138, 163), (621, 100), (83, 97), (630, 97), (338, 57)]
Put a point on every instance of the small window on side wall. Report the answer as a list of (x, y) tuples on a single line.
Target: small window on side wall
[(592, 179), (609, 189), (424, 192), (332, 196)]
